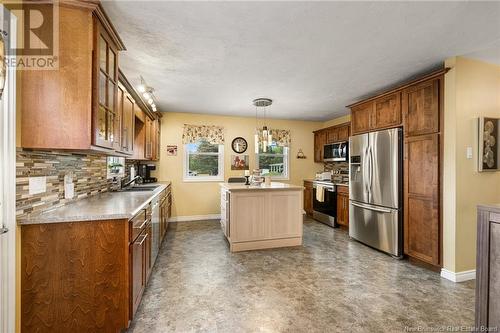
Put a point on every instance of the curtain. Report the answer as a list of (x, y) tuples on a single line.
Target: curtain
[(193, 133), (281, 137)]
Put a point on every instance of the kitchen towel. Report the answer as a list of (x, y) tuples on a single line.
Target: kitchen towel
[(320, 193)]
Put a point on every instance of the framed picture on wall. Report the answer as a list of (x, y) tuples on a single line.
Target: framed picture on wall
[(239, 162), (488, 144), (171, 150)]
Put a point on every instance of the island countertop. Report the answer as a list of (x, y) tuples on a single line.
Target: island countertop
[(262, 187), (103, 206)]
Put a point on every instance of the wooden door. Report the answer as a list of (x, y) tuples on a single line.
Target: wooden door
[(420, 105), (138, 278), (308, 198), (387, 111), (319, 142), (421, 202), (105, 88), (360, 118), (343, 133)]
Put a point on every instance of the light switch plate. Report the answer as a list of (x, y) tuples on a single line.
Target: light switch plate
[(469, 153), (37, 185)]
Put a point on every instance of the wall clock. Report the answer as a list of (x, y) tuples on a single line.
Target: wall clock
[(239, 145)]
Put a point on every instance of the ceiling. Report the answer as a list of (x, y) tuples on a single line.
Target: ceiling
[(311, 58)]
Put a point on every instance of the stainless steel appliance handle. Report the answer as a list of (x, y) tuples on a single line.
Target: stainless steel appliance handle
[(371, 169), (375, 209)]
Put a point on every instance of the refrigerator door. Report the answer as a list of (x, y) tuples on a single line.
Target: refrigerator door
[(384, 168), (358, 168), (377, 227)]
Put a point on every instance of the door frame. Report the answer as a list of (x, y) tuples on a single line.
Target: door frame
[(8, 190)]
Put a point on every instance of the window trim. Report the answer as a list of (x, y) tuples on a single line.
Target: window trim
[(286, 166), (192, 179)]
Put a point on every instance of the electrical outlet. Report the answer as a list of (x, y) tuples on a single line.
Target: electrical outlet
[(37, 185)]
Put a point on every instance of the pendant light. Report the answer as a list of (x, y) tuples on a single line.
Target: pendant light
[(263, 136)]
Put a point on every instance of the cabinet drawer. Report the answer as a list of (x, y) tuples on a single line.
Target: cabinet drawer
[(342, 189), (137, 224)]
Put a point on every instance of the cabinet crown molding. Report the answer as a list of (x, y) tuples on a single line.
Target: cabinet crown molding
[(402, 86)]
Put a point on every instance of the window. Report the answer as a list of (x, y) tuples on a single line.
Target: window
[(203, 161), (274, 162)]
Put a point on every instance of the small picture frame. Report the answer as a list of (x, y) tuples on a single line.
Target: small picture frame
[(171, 150), (239, 162)]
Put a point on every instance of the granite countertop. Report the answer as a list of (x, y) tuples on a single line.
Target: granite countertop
[(104, 206), (273, 186)]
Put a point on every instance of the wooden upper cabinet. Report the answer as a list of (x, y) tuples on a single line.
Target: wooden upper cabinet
[(361, 118), (386, 111), (332, 135), (105, 110), (421, 108), (74, 106), (125, 112), (343, 133), (148, 153), (319, 142)]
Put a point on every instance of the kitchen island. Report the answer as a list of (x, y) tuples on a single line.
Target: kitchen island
[(261, 217)]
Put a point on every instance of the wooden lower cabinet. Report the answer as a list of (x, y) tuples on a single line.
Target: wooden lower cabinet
[(343, 206), (308, 197), (488, 268), (75, 277), (138, 253), (86, 276)]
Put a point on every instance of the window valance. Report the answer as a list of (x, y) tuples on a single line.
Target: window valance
[(193, 133), (281, 137)]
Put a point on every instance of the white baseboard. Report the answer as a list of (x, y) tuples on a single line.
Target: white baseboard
[(458, 276), (194, 218)]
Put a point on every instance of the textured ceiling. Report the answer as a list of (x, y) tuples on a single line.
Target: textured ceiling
[(311, 58)]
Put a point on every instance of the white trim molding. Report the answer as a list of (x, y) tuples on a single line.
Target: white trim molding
[(458, 276), (194, 218)]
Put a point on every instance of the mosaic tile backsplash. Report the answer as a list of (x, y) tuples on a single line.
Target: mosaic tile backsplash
[(89, 177), (341, 167)]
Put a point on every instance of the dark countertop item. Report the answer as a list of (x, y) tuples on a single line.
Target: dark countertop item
[(104, 206)]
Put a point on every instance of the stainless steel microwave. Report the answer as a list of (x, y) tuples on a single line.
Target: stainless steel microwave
[(336, 152)]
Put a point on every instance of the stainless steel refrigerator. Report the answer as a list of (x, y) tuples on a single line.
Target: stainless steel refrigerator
[(375, 190)]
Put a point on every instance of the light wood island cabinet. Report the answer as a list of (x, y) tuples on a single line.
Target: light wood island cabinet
[(261, 217)]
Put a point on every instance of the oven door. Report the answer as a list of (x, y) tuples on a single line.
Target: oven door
[(325, 211)]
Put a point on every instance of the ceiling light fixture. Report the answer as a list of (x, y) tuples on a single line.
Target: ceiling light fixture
[(147, 93), (263, 136)]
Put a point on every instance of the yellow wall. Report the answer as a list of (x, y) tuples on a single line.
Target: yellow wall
[(202, 198), (472, 89), (337, 121)]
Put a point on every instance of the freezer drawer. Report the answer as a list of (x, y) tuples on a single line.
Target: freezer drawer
[(376, 226)]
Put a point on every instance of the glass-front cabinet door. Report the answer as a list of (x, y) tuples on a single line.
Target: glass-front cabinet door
[(106, 117)]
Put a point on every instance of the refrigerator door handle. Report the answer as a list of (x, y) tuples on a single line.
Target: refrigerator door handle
[(375, 209)]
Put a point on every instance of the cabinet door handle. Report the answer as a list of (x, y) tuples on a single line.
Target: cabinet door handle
[(143, 239)]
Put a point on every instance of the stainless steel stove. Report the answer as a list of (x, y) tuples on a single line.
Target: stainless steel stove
[(325, 211)]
